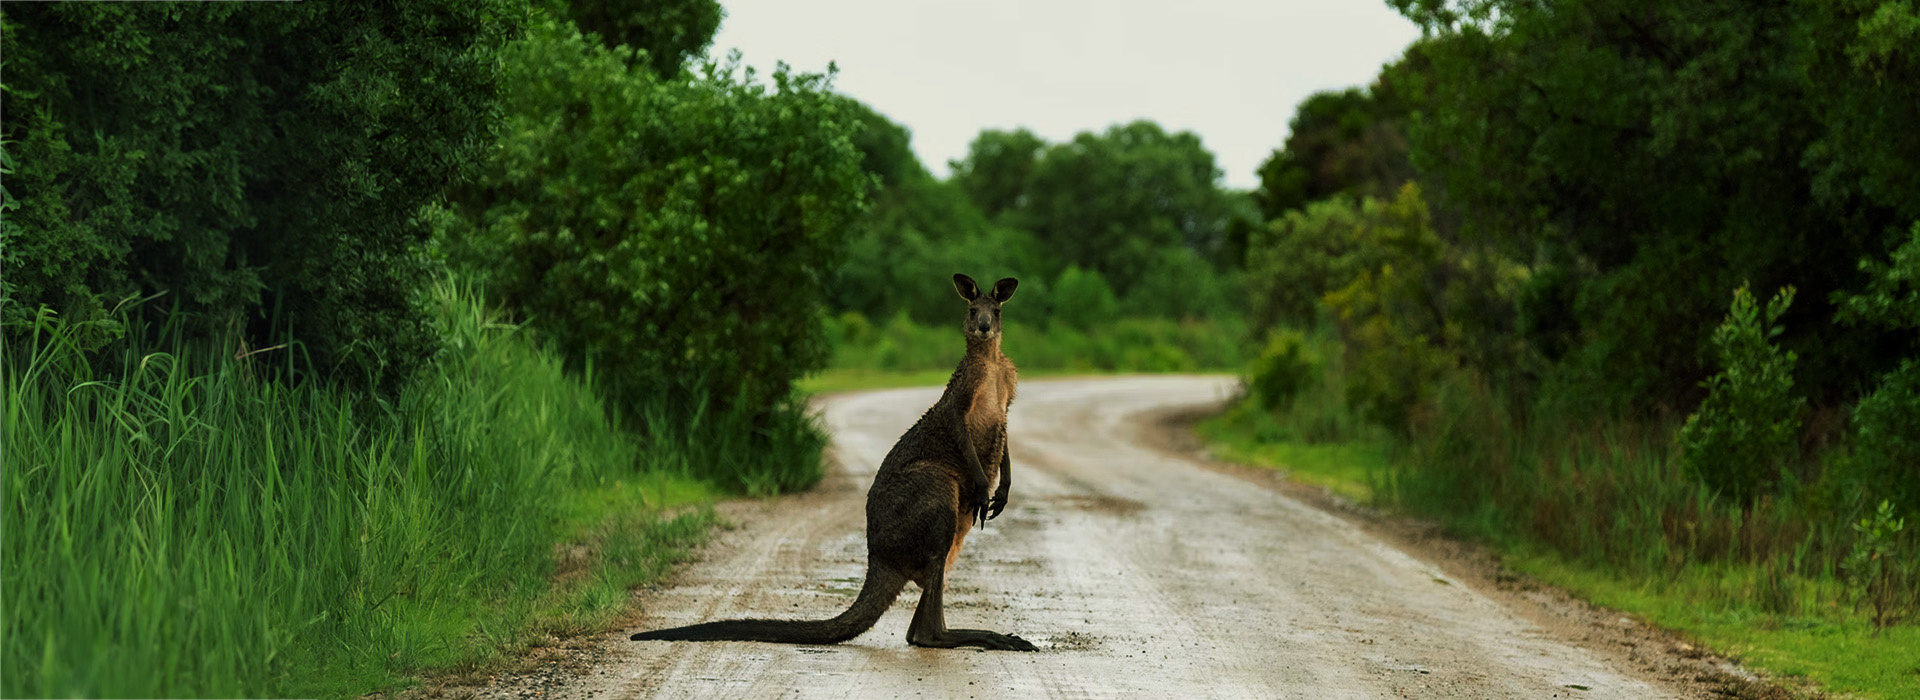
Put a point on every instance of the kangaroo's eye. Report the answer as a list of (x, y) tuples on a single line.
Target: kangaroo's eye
[(996, 313)]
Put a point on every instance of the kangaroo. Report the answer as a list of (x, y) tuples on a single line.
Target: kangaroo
[(930, 491)]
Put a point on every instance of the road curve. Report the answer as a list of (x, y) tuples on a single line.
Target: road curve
[(1140, 574)]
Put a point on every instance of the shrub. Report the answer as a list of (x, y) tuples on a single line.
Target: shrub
[(1886, 423), (1285, 368), (1158, 356), (1875, 572), (1082, 299), (1390, 311), (1886, 438), (849, 328), (919, 231), (243, 159), (1297, 259), (1184, 286), (665, 230), (1748, 426)]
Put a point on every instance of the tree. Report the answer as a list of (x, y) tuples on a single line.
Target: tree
[(886, 148), (1083, 299), (676, 234), (669, 32), (1647, 156), (242, 160), (997, 168), (1740, 438), (1297, 258), (1115, 202), (920, 231), (1338, 142), (1886, 422)]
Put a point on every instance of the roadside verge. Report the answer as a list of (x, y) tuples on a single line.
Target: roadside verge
[(1622, 637)]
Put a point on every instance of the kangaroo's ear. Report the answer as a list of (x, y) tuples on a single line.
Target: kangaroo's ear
[(1003, 289), (965, 285)]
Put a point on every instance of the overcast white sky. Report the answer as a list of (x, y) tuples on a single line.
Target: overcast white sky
[(1229, 70)]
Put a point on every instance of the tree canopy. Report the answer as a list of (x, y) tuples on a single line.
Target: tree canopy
[(674, 234), (1113, 202), (1651, 156), (667, 33), (240, 159)]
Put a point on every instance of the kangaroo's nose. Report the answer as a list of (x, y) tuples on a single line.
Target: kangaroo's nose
[(983, 328)]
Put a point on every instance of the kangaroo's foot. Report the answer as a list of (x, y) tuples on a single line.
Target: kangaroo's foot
[(929, 626), (951, 639)]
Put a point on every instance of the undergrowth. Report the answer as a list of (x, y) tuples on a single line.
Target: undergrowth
[(1122, 345), (1815, 578), (186, 525)]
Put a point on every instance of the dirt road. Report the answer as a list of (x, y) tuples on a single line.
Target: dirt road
[(1138, 572)]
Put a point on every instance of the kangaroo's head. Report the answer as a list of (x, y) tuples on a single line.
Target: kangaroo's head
[(983, 310)]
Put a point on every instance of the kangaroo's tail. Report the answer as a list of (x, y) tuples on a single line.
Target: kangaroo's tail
[(882, 586)]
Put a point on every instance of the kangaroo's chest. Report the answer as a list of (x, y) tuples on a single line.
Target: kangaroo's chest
[(987, 413)]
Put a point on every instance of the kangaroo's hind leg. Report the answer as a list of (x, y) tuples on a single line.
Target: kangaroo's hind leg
[(929, 627)]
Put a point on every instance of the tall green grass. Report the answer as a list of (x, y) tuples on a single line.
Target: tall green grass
[(1123, 345), (763, 453), (1305, 424), (188, 526), (1614, 494)]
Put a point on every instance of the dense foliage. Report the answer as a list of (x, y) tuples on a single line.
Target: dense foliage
[(205, 517), (261, 166), (189, 530), (1647, 157), (998, 167), (662, 34), (1129, 222), (919, 231), (671, 233), (1115, 202), (1600, 175), (1351, 142), (1541, 320), (1886, 422)]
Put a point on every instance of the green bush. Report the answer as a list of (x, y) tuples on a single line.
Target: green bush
[(1885, 460), (919, 231), (1390, 311), (666, 231), (1295, 260), (1747, 429), (261, 165), (895, 265), (1185, 286), (1158, 356), (1082, 299), (1877, 575), (1285, 368)]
